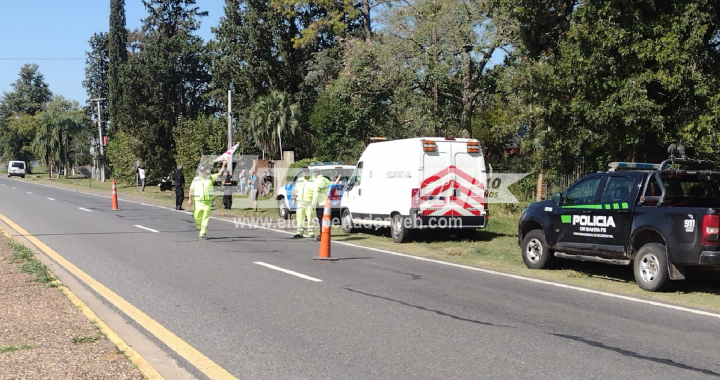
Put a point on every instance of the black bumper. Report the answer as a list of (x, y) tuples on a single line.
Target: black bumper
[(709, 258), (453, 222)]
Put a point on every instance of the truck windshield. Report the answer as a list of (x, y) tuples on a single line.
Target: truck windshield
[(689, 190)]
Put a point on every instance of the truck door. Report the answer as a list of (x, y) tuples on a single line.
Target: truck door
[(437, 179), (577, 213), (352, 198), (621, 191), (470, 181)]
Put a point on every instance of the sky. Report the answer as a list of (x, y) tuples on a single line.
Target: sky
[(55, 34)]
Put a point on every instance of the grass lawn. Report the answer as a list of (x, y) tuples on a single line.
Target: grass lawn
[(494, 248)]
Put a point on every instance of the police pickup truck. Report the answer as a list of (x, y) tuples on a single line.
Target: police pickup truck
[(660, 218)]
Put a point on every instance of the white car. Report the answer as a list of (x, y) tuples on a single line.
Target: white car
[(330, 170), (16, 168), (418, 183)]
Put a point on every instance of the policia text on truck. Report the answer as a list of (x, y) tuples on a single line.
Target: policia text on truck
[(660, 218)]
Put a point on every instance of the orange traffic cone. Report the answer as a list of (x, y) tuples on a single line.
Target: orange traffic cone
[(325, 235), (114, 197)]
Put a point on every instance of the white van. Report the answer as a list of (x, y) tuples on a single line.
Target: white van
[(417, 183), (16, 168)]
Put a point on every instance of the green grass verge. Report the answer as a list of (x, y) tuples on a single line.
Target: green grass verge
[(11, 348), (29, 264)]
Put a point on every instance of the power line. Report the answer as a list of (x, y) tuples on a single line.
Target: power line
[(39, 59)]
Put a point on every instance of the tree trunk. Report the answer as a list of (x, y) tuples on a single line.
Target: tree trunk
[(468, 93), (366, 20)]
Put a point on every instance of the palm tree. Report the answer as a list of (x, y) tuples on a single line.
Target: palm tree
[(270, 116)]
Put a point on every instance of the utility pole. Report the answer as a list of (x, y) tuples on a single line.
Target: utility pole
[(100, 141), (230, 143)]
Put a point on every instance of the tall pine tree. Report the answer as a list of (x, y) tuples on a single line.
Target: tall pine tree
[(118, 56)]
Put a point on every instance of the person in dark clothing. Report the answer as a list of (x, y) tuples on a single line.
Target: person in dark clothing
[(179, 180), (227, 190)]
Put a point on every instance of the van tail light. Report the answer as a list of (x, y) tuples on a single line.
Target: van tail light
[(473, 147), (710, 230), (429, 146), (415, 198), (335, 194)]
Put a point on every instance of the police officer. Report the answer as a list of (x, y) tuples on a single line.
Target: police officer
[(179, 180), (302, 197), (201, 190), (320, 192)]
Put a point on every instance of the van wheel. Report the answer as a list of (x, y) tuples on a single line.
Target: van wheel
[(283, 210), (651, 267), (535, 252), (347, 223), (400, 233)]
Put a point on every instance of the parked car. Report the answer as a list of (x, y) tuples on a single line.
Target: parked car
[(660, 218), (16, 168), (331, 171), (418, 183)]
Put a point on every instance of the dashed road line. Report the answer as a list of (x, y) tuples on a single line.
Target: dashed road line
[(147, 229), (84, 209), (288, 271), (29, 193), (51, 199)]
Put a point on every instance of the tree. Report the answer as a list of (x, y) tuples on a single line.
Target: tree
[(270, 117), (55, 126), (29, 95), (446, 47), (627, 79), (97, 73), (117, 59), (337, 17)]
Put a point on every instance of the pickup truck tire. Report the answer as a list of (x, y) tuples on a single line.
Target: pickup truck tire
[(400, 233), (283, 210), (651, 267), (346, 222), (535, 252)]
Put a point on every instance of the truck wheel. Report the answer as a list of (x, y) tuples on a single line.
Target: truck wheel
[(650, 267), (283, 210), (535, 252), (347, 223), (400, 233)]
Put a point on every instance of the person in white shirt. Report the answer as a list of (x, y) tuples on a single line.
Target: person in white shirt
[(141, 173)]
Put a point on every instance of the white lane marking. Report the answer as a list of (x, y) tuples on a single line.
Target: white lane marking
[(84, 209), (14, 188), (147, 229), (29, 193), (51, 199), (288, 271), (482, 270)]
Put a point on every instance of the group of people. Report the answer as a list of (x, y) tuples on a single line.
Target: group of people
[(308, 193)]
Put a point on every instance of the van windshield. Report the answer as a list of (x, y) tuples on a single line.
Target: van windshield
[(333, 173), (20, 165)]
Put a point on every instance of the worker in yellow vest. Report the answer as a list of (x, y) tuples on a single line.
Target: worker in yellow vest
[(302, 197), (320, 194), (201, 192)]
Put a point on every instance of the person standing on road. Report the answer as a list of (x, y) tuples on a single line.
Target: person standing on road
[(243, 181), (201, 191), (179, 181), (141, 174), (253, 181), (302, 197), (227, 190), (321, 189)]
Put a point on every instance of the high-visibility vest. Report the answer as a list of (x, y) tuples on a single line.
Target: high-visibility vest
[(202, 188), (322, 188), (304, 190)]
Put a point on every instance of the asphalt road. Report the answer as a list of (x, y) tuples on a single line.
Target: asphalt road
[(372, 316)]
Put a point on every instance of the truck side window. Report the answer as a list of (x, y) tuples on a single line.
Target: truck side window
[(618, 189), (583, 192)]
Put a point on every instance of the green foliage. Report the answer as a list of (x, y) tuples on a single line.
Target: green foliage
[(97, 74), (336, 17), (195, 138), (272, 116), (122, 151), (117, 39), (29, 264), (29, 94)]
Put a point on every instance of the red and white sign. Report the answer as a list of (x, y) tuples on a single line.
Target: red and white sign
[(452, 192), (227, 155)]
